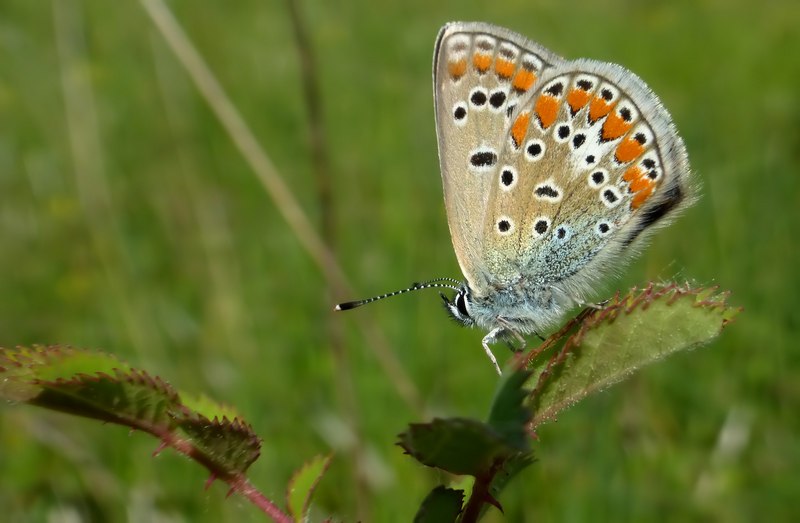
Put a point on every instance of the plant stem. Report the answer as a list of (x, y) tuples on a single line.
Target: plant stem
[(480, 495), (240, 484), (237, 481)]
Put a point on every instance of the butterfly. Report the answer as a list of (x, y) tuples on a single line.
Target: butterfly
[(554, 172)]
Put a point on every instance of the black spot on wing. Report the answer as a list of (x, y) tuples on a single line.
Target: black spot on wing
[(483, 159), (478, 98), (497, 99), (556, 89), (672, 197), (546, 191)]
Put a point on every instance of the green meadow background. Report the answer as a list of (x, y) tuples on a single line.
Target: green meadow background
[(129, 222)]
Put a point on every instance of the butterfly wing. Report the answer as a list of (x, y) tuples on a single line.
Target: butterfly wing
[(587, 164), (592, 164), (481, 72)]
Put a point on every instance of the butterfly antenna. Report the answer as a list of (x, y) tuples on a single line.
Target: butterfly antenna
[(430, 284)]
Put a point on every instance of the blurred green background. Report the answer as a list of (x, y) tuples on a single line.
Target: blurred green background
[(129, 222)]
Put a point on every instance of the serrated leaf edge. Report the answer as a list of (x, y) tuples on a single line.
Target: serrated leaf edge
[(590, 319), (327, 459)]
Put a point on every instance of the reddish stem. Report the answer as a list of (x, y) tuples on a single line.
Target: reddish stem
[(237, 481)]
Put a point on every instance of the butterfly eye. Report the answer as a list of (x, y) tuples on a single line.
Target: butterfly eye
[(457, 309), (461, 304)]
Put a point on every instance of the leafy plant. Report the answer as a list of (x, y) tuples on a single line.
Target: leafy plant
[(593, 351)]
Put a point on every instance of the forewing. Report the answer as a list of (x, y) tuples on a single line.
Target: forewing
[(481, 73)]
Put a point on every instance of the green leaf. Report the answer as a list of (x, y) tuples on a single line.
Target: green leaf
[(89, 384), (511, 467), (22, 368), (627, 334), (301, 486), (457, 445), (509, 416), (98, 386), (207, 407), (135, 399), (441, 505), (224, 445)]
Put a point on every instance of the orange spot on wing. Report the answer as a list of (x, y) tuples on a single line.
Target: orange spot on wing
[(598, 109), (640, 183), (457, 69), (481, 62), (640, 197), (634, 172), (523, 80), (504, 68), (576, 99), (614, 127), (629, 150), (547, 110), (520, 128)]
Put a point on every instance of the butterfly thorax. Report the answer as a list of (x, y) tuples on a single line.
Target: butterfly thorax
[(517, 306)]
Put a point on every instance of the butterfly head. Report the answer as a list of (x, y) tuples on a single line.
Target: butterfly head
[(459, 307)]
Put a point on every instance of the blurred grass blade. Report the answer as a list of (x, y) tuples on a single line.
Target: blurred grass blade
[(302, 485), (441, 505), (285, 201), (627, 334)]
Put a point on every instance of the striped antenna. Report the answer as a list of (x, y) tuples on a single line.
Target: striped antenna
[(431, 284)]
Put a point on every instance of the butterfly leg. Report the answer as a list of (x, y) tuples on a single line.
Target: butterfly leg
[(509, 330), (492, 338), (579, 302), (590, 305)]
